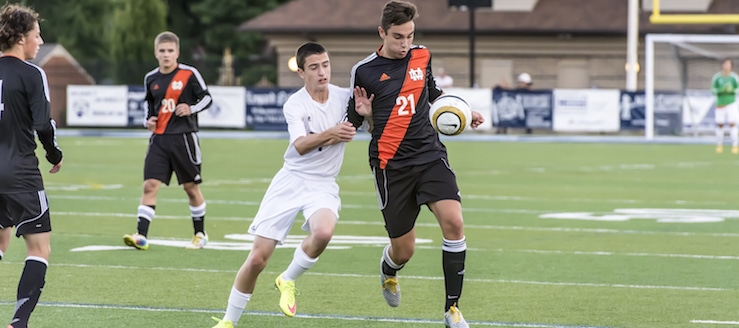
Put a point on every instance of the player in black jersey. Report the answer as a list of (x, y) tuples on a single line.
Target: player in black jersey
[(407, 158), (24, 108), (175, 94)]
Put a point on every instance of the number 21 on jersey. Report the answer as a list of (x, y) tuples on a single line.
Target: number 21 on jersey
[(404, 102)]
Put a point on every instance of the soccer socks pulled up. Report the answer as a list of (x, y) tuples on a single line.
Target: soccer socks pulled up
[(236, 305), (734, 133), (719, 136), (145, 214), (300, 264), (29, 290), (453, 257), (389, 268), (198, 218)]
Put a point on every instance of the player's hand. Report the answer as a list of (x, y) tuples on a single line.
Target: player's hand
[(182, 110), (56, 167), (362, 103), (151, 123), (477, 119), (345, 132)]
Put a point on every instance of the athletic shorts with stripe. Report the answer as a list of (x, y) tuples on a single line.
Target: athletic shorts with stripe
[(178, 153), (287, 195), (27, 211), (401, 192)]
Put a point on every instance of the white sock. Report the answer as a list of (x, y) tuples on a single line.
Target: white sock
[(719, 136), (734, 133), (236, 304), (300, 264), (1, 255)]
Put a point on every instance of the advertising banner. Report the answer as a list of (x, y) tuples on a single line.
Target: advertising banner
[(522, 108), (586, 110), (92, 105), (668, 108), (264, 108)]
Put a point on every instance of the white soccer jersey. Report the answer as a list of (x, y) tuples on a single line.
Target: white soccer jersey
[(306, 116)]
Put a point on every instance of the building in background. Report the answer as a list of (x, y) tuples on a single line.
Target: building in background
[(62, 70), (564, 43)]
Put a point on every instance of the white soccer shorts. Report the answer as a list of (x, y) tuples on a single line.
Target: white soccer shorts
[(728, 114), (289, 194)]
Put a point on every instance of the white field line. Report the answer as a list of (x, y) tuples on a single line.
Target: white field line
[(379, 222), (301, 315), (596, 253), (501, 198), (366, 276), (716, 322)]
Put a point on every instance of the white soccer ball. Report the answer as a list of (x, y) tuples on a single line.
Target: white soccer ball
[(450, 115)]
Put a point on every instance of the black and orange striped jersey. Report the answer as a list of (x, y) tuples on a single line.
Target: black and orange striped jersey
[(164, 92), (402, 134)]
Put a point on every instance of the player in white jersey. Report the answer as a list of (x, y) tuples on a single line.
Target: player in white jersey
[(305, 183)]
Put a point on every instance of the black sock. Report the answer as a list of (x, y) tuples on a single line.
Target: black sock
[(198, 218), (145, 213), (29, 290), (388, 267), (198, 224), (453, 263)]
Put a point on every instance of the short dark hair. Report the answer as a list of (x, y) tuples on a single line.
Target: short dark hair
[(15, 22), (397, 12), (308, 49)]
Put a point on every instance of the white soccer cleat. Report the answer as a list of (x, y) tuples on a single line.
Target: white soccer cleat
[(198, 241), (454, 319)]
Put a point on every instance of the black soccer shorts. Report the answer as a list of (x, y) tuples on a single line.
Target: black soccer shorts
[(178, 153), (401, 192), (27, 211)]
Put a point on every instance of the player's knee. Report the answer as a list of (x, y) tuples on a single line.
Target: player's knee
[(257, 261), (151, 186), (323, 235)]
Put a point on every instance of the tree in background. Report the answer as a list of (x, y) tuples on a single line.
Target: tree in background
[(81, 26), (110, 38), (135, 25), (211, 27)]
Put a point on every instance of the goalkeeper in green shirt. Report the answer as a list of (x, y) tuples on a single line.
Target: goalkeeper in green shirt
[(725, 85)]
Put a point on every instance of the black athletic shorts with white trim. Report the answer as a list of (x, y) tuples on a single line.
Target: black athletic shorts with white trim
[(27, 211), (401, 192), (178, 153)]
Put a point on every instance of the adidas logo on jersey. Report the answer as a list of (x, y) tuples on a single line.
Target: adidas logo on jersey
[(384, 77), (416, 74)]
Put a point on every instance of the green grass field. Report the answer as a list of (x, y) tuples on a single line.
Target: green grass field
[(616, 261)]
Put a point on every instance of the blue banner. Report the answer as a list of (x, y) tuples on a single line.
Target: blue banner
[(522, 108), (667, 111), (136, 107), (264, 108)]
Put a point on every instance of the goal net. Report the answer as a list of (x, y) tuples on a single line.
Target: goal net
[(684, 64)]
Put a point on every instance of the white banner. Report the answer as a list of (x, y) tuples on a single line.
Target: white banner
[(699, 111), (228, 109), (480, 100), (92, 105), (586, 110)]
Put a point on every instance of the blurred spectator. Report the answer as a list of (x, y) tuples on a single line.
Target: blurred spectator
[(443, 80), (524, 81)]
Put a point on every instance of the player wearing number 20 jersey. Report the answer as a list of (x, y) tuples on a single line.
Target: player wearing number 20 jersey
[(184, 85), (402, 135)]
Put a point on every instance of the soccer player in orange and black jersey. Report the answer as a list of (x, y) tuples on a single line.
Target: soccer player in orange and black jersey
[(392, 91), (24, 108), (175, 94)]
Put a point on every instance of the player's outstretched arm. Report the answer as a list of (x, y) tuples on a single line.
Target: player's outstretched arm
[(342, 132)]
